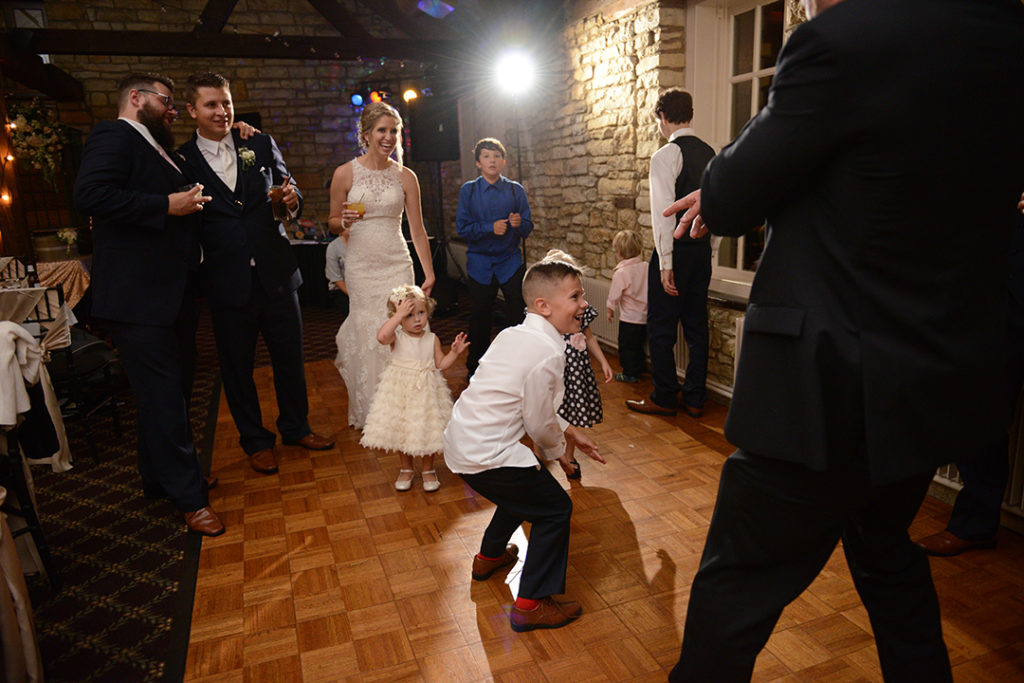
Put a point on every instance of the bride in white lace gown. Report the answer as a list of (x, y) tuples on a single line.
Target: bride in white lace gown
[(377, 259)]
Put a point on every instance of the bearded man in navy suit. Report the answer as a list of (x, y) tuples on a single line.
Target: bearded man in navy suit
[(249, 273), (146, 252), (874, 348)]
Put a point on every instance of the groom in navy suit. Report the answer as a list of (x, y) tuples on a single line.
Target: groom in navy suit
[(249, 273)]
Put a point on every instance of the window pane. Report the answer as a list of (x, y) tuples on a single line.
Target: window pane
[(753, 245), (743, 43), (740, 106), (763, 84), (727, 252), (771, 33)]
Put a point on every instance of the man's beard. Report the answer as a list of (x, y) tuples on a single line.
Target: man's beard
[(157, 126)]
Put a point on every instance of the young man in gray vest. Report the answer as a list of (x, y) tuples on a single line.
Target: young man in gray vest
[(680, 270)]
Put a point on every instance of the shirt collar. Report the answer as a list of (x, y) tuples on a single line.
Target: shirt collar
[(142, 130), (497, 183), (537, 322), (681, 132), (627, 262), (213, 146)]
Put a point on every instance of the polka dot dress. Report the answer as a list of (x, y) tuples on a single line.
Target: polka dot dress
[(581, 405)]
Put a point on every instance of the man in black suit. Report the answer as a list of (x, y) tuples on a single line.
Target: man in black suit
[(146, 253), (249, 273), (874, 345)]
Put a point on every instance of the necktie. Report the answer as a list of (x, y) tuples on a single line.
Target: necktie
[(167, 157), (227, 165)]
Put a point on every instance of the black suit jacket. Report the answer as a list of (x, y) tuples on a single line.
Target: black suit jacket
[(888, 161), (141, 255), (238, 227)]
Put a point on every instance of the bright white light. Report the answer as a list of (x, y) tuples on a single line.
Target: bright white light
[(514, 72)]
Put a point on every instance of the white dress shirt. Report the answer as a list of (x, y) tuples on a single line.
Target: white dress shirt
[(666, 165), (210, 149), (516, 390), (151, 140)]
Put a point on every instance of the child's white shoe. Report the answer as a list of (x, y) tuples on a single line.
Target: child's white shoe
[(433, 483), (404, 481)]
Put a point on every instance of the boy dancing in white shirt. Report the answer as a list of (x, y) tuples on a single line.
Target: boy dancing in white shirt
[(516, 390)]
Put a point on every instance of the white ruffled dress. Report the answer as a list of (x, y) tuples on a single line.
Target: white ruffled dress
[(412, 404)]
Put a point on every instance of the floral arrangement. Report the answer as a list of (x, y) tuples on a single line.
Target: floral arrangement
[(247, 156), (68, 236), (38, 138)]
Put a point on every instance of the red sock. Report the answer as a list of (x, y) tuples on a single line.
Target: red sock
[(527, 603), (489, 559)]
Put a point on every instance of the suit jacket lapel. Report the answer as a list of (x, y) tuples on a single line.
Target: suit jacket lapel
[(176, 177), (241, 171)]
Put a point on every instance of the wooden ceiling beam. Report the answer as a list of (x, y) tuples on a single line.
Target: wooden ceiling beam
[(28, 69), (340, 19), (170, 44), (416, 25), (215, 16)]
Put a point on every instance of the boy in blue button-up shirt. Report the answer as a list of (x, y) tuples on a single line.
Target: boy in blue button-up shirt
[(493, 216)]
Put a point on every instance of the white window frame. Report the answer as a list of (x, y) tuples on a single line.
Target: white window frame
[(709, 50)]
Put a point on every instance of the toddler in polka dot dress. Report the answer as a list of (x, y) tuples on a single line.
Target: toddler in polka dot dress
[(581, 405)]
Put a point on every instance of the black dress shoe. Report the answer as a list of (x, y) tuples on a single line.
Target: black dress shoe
[(649, 407)]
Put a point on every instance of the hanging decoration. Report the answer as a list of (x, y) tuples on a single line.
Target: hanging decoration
[(38, 138)]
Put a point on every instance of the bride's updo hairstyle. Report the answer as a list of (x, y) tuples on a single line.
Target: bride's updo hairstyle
[(371, 114)]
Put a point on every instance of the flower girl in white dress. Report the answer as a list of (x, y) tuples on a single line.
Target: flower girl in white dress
[(412, 404)]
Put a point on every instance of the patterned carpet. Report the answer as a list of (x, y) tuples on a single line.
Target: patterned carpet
[(126, 564)]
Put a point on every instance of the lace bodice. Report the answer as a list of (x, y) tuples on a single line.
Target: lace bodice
[(379, 191)]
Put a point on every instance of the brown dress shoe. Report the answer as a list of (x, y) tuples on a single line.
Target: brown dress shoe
[(482, 569), (204, 521), (649, 407), (313, 442), (264, 461), (550, 613), (945, 544)]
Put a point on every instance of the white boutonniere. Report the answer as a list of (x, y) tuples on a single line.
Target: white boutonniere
[(247, 156)]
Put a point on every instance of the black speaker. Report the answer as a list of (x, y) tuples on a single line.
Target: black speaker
[(434, 128)]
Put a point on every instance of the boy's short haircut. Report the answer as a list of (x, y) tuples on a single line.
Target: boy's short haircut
[(676, 105), (488, 143), (205, 79), (548, 273), (627, 243)]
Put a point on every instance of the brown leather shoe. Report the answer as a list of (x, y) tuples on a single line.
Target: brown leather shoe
[(945, 544), (692, 411), (264, 461), (550, 613), (204, 521), (482, 569), (313, 442), (649, 407)]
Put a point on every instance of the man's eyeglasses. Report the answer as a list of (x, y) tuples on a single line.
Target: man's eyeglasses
[(166, 99)]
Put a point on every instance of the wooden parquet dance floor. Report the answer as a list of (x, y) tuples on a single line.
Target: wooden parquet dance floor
[(326, 573)]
